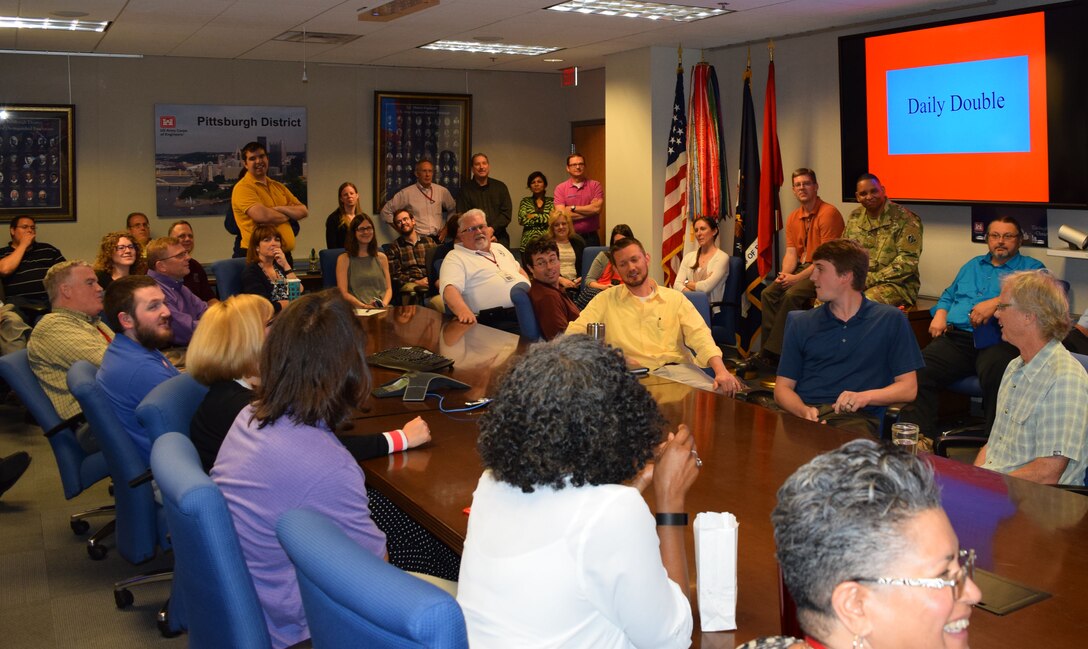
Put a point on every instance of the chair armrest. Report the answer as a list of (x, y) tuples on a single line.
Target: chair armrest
[(72, 423), (959, 438), (1075, 488)]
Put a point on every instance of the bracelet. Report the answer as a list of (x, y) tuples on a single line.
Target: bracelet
[(671, 519)]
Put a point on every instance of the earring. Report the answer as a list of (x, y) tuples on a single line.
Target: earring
[(858, 643)]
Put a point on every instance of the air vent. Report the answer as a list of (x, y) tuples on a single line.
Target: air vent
[(395, 9), (316, 38)]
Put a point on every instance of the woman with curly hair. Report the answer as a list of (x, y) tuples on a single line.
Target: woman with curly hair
[(533, 210), (561, 548), (119, 255)]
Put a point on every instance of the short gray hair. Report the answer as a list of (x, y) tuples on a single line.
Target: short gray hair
[(59, 274), (473, 212), (840, 517), (1038, 294)]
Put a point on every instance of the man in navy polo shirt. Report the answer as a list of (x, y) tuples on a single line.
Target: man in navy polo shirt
[(849, 356), (23, 264)]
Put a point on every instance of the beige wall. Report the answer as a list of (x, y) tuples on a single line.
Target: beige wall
[(807, 85), (522, 121)]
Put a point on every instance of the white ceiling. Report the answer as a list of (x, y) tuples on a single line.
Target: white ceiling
[(245, 29)]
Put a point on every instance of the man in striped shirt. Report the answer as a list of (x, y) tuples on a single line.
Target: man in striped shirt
[(23, 264)]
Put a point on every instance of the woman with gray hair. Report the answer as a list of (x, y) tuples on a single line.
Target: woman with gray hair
[(869, 556)]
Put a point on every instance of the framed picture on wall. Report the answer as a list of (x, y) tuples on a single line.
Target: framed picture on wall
[(410, 126), (37, 162)]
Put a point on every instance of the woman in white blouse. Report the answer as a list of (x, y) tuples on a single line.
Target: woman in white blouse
[(562, 549), (706, 268)]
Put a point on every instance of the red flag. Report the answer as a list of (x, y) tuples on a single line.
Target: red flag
[(770, 180)]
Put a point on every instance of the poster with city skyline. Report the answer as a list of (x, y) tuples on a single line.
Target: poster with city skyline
[(196, 153)]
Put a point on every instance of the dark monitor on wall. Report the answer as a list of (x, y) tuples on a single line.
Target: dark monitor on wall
[(988, 109)]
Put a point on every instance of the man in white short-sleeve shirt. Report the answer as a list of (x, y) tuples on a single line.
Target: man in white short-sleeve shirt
[(477, 276)]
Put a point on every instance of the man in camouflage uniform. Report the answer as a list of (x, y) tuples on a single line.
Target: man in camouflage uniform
[(893, 236)]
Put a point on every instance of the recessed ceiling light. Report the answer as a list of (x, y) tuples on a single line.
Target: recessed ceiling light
[(11, 22), (634, 9), (488, 48), (553, 60)]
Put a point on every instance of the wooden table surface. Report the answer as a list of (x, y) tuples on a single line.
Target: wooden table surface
[(1025, 532)]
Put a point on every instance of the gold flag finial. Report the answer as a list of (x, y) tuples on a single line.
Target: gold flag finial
[(770, 48), (679, 58), (749, 64)]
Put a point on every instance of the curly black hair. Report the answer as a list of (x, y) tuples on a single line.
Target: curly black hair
[(569, 410)]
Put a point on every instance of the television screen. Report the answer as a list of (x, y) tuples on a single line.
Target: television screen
[(983, 110)]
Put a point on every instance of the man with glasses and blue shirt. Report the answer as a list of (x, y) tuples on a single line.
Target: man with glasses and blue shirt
[(23, 264), (477, 276), (968, 303), (168, 264)]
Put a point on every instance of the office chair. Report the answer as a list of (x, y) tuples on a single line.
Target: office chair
[(78, 469), (588, 255), (355, 599), (169, 407), (228, 276), (701, 302), (211, 578), (141, 525), (328, 265), (723, 322), (523, 307)]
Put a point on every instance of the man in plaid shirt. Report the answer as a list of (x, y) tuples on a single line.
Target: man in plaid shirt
[(1041, 430), (410, 255)]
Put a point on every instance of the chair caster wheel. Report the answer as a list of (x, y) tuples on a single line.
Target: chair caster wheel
[(79, 526), (97, 552), (123, 598), (163, 622)]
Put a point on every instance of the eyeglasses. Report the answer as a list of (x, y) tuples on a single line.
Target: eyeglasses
[(474, 228), (1007, 236), (957, 583), (181, 255), (364, 228), (803, 183), (121, 247), (577, 164), (1003, 305)]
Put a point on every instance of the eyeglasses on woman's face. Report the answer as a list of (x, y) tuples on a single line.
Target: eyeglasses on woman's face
[(956, 583)]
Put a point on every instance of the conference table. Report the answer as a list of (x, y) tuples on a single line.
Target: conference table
[(1027, 533)]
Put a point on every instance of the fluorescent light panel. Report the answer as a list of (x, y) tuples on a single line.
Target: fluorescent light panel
[(632, 9), (52, 23), (473, 47)]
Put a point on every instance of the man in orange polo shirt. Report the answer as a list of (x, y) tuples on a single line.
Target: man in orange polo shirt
[(808, 227), (259, 199)]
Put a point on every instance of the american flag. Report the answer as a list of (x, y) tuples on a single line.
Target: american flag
[(674, 222)]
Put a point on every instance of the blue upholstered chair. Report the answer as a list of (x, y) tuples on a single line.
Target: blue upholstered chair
[(141, 524), (228, 276), (169, 407), (210, 574), (523, 307), (328, 265), (78, 469), (354, 599), (588, 255), (701, 302), (723, 322)]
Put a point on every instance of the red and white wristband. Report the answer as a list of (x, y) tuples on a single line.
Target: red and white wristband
[(397, 440)]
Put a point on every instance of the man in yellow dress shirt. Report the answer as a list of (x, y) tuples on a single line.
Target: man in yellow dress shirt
[(653, 325), (259, 199)]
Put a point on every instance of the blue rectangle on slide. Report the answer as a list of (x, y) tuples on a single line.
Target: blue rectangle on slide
[(971, 107)]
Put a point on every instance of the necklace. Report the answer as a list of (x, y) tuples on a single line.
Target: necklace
[(428, 195)]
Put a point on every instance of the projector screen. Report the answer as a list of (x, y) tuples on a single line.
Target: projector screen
[(985, 110)]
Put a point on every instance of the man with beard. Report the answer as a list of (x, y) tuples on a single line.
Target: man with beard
[(133, 365), (969, 302), (849, 356), (478, 274), (410, 253), (654, 325)]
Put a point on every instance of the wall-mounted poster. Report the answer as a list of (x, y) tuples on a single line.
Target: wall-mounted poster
[(196, 153), (410, 126), (37, 162), (1032, 220)]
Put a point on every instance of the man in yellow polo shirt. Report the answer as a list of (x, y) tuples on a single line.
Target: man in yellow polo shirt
[(654, 325), (259, 199)]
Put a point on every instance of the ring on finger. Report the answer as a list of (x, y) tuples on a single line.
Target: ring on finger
[(698, 460)]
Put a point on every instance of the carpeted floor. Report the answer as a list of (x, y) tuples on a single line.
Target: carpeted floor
[(51, 593)]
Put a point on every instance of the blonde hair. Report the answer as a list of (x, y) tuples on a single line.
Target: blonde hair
[(556, 216), (1038, 293), (227, 343)]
